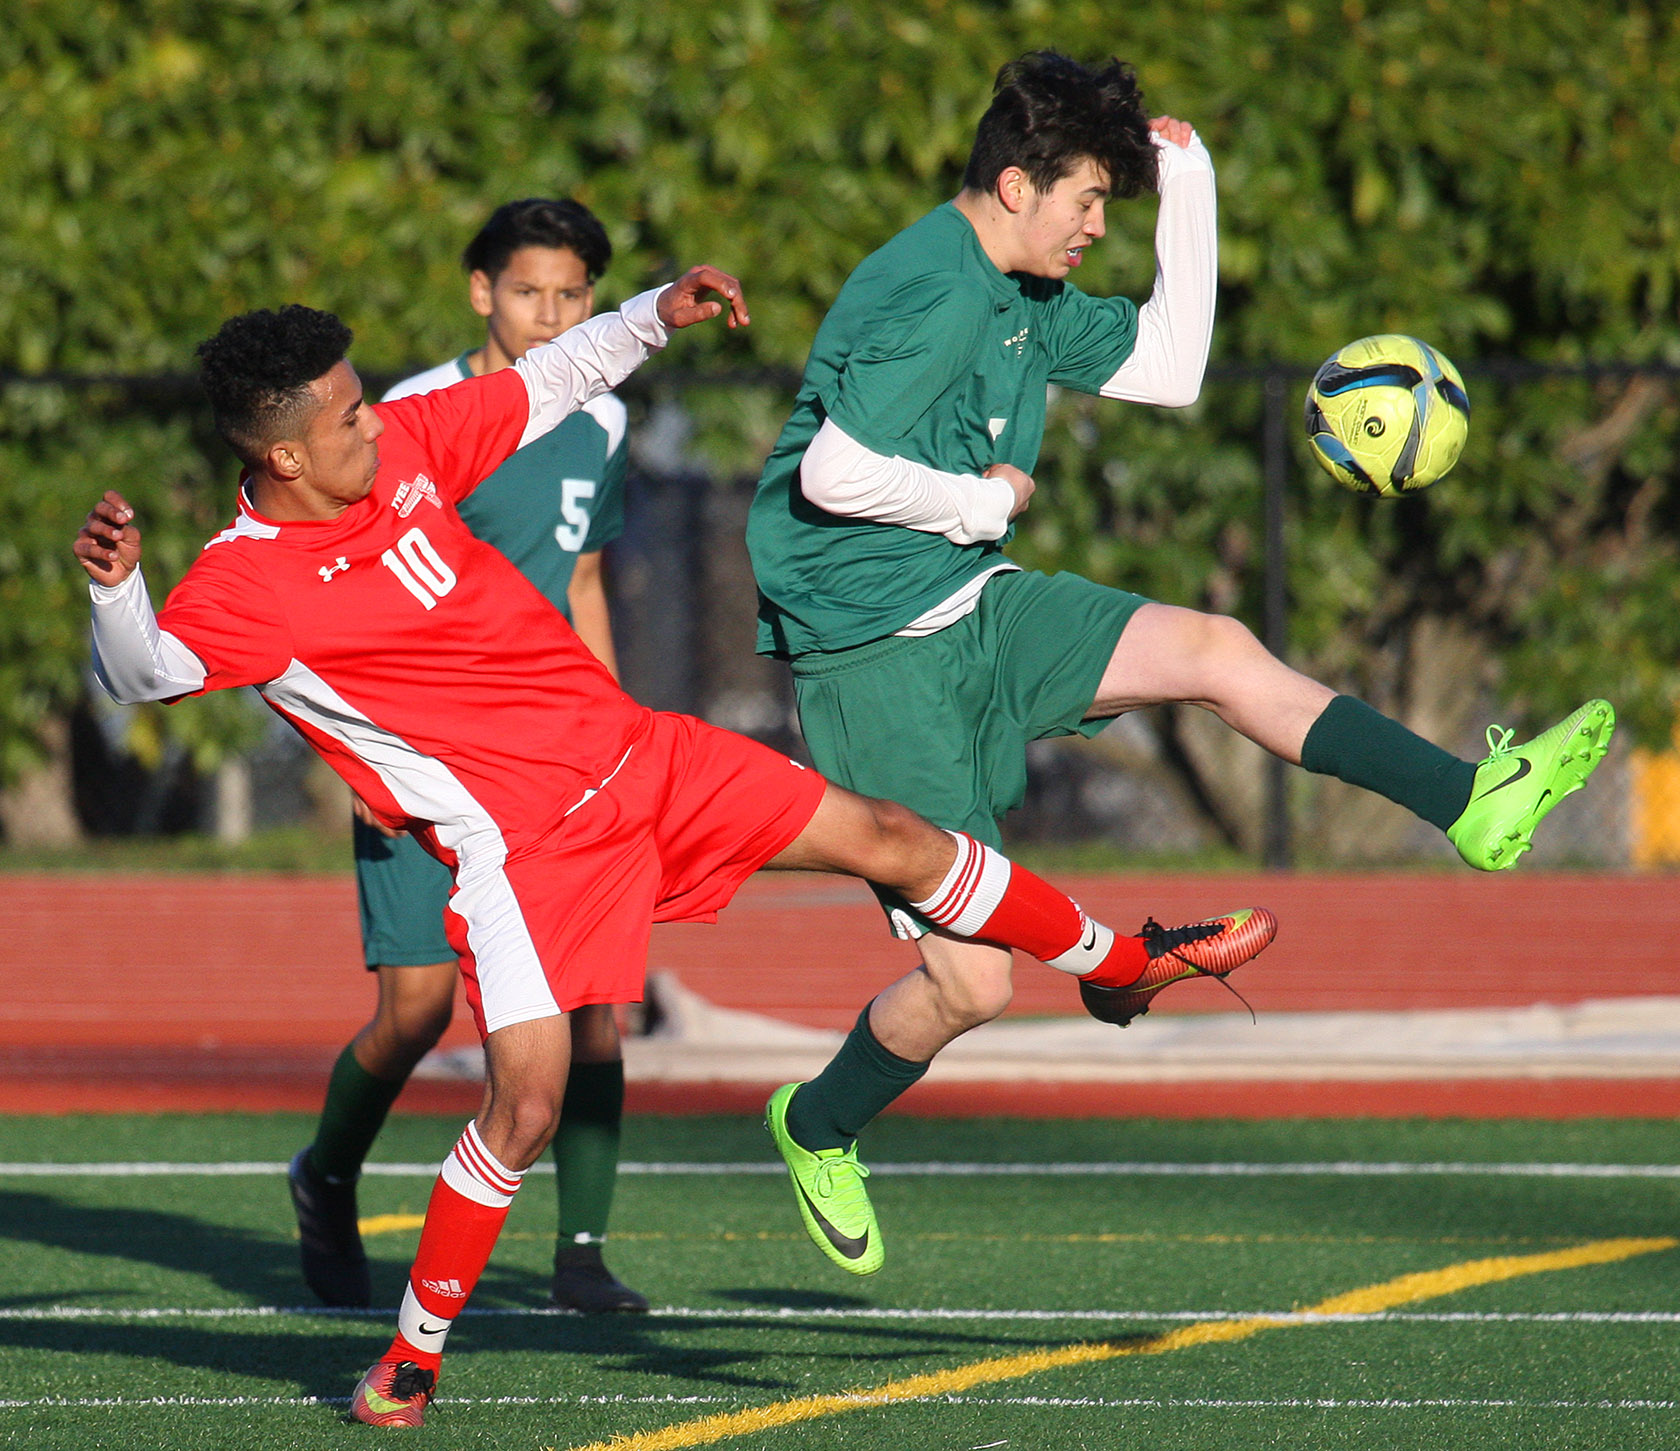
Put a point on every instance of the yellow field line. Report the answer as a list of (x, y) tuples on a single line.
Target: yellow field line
[(1406, 1290)]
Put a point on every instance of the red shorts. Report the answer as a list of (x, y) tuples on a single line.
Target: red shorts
[(687, 816)]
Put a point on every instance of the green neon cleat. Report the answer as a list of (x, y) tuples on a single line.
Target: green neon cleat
[(1517, 785), (829, 1186)]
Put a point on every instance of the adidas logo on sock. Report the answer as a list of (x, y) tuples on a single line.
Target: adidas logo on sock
[(449, 1289)]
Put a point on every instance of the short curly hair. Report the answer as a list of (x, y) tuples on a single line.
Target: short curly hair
[(1049, 113), (257, 370), (538, 222)]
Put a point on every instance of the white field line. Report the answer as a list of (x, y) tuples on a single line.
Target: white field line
[(1072, 1403), (1345, 1168), (868, 1314)]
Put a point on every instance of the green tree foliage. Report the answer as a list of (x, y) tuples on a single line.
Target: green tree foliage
[(1502, 178)]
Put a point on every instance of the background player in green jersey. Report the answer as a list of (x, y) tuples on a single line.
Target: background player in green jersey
[(551, 508), (923, 659)]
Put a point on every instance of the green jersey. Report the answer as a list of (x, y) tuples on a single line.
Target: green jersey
[(929, 354), (560, 496)]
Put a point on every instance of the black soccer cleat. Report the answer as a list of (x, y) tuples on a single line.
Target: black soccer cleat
[(583, 1282), (335, 1266)]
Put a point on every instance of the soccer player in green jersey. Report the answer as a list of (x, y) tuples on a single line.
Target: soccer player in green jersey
[(924, 660), (551, 508)]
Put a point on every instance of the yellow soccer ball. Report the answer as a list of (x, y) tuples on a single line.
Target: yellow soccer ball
[(1387, 415)]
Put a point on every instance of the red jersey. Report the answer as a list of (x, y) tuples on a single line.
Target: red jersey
[(427, 671)]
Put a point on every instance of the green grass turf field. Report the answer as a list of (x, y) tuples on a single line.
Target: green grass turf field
[(1091, 1307)]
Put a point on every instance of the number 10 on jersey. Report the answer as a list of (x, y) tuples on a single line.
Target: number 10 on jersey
[(416, 562)]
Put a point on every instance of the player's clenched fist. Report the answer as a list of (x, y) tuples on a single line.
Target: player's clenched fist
[(108, 543), (680, 304)]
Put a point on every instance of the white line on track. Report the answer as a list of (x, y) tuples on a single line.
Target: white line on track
[(1350, 1168), (865, 1314), (1072, 1403)]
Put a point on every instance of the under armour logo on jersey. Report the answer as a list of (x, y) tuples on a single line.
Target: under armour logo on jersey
[(411, 491), (327, 571)]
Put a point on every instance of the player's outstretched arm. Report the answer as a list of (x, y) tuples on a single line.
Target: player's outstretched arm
[(685, 301), (585, 361), (108, 543)]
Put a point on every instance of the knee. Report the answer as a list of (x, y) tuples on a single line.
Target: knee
[(896, 827), (897, 847), (518, 1122), (977, 992), (416, 1023), (1222, 637)]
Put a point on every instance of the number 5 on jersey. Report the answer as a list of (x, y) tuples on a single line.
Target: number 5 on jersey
[(574, 528), (416, 562)]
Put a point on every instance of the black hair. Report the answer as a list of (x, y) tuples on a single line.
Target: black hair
[(538, 222), (258, 368), (1049, 113)]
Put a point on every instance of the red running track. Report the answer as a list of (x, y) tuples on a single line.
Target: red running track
[(154, 992)]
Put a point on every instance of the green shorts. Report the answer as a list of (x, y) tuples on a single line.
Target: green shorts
[(941, 722), (400, 892)]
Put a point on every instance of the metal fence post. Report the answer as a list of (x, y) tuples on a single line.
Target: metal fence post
[(1275, 850)]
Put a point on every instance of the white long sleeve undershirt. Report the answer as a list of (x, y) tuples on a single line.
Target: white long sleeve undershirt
[(1175, 327), (839, 475), (133, 658)]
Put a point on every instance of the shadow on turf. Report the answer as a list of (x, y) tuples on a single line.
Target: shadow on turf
[(323, 1357)]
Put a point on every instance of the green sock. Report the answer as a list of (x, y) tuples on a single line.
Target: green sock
[(586, 1148), (860, 1080), (351, 1118), (1365, 748)]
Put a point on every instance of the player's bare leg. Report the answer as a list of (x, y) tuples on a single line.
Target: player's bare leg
[(959, 884), (525, 1079), (1172, 654), (972, 892), (1178, 655), (960, 985), (414, 1008)]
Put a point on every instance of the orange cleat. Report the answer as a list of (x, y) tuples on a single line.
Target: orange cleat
[(1214, 948), (393, 1393)]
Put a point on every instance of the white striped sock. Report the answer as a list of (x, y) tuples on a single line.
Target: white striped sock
[(473, 1172), (972, 889)]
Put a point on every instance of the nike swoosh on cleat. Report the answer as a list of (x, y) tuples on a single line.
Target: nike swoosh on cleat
[(853, 1249), (1524, 766)]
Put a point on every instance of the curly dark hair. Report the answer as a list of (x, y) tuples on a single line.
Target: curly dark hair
[(258, 368), (538, 222), (1049, 113)]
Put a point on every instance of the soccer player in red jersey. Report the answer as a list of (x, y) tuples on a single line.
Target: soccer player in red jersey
[(460, 706)]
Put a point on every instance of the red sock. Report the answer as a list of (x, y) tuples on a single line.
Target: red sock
[(468, 1205), (987, 895)]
